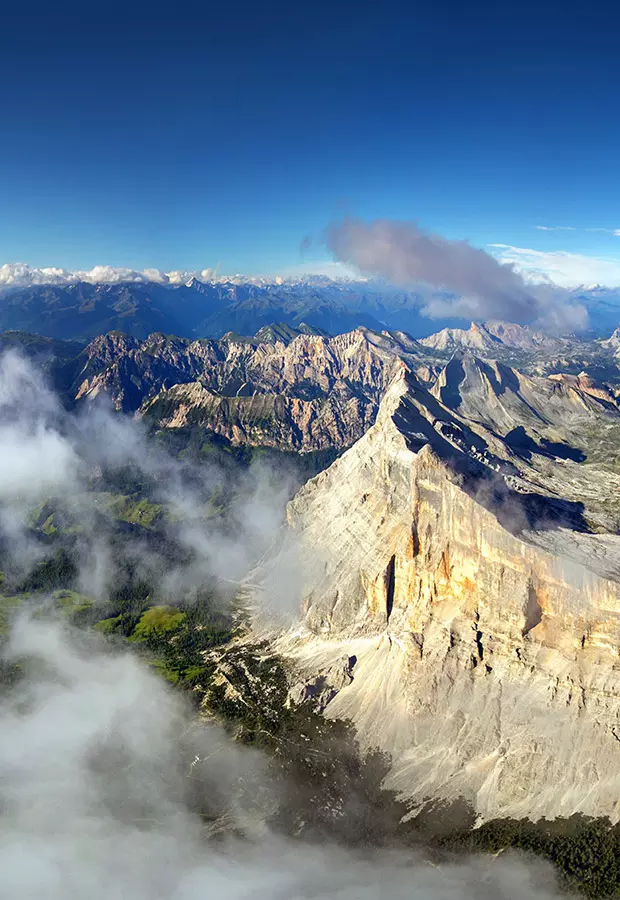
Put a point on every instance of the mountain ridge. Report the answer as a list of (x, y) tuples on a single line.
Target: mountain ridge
[(480, 608), (81, 309), (329, 387)]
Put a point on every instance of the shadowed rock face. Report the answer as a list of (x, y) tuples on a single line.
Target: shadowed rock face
[(486, 639)]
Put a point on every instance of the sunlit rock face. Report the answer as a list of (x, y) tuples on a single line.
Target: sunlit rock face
[(482, 617), (283, 388), (296, 389)]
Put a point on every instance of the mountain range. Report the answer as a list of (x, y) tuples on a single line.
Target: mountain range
[(297, 389), (461, 605), (81, 310)]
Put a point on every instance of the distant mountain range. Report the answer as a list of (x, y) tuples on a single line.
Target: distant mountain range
[(82, 310)]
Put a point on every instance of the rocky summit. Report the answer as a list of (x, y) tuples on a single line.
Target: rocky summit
[(462, 596)]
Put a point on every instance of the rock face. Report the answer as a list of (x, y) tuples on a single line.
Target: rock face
[(529, 350), (479, 611), (264, 419), (492, 337), (613, 343), (287, 389)]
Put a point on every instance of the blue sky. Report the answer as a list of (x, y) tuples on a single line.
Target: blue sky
[(202, 133)]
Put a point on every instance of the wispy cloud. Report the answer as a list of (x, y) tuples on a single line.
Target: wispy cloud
[(614, 231), (559, 266), (555, 227)]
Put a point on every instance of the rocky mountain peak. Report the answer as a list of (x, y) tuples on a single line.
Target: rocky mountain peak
[(455, 558), (613, 342), (491, 335)]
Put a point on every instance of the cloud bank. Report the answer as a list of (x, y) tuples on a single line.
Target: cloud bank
[(14, 275), (23, 275), (483, 287)]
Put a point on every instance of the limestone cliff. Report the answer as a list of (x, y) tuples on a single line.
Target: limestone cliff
[(265, 419), (492, 336), (479, 611)]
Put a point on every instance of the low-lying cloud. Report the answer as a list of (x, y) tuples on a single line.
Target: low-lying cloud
[(108, 790), (482, 288), (48, 454)]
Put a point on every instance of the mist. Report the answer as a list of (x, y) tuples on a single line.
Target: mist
[(50, 455), (406, 255), (109, 790)]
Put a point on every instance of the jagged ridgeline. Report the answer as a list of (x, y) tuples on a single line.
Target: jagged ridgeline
[(290, 388)]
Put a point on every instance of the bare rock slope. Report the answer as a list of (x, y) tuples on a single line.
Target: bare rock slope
[(299, 389), (468, 579), (284, 388)]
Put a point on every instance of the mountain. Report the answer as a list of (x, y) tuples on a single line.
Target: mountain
[(603, 305), (301, 389), (612, 343), (529, 350), (83, 310), (298, 388), (490, 336), (288, 389), (66, 307), (464, 575), (60, 361)]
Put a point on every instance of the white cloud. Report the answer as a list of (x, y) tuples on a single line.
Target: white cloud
[(555, 227), (558, 266), (614, 231), (23, 275)]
